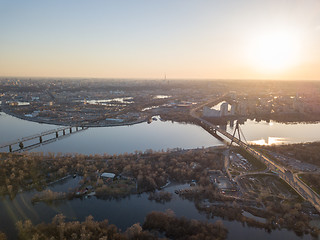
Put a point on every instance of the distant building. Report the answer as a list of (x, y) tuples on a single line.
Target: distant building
[(224, 109), (242, 108), (233, 95), (107, 175), (13, 104), (208, 112), (114, 120), (233, 109), (33, 114)]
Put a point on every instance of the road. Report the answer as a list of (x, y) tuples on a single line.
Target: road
[(293, 180)]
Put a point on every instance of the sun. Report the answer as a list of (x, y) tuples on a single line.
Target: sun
[(274, 51)]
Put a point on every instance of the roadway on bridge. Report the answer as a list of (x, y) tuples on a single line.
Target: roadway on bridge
[(292, 179)]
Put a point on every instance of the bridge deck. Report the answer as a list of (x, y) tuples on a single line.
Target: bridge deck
[(28, 138), (297, 184)]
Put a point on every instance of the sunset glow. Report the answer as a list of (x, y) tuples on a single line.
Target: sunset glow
[(148, 39), (275, 51)]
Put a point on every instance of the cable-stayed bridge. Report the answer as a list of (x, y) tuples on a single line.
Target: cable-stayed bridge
[(292, 179)]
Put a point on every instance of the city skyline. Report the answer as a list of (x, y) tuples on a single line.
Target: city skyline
[(151, 39)]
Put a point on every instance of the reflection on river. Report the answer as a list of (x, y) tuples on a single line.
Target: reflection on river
[(272, 132), (157, 136), (122, 212), (125, 212)]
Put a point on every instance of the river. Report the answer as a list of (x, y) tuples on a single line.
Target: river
[(123, 213), (157, 135)]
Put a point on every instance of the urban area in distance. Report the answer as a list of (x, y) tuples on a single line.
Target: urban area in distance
[(171, 119)]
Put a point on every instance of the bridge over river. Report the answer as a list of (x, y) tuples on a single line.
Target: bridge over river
[(292, 179), (33, 141)]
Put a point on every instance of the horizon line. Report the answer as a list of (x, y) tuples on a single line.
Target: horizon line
[(159, 79)]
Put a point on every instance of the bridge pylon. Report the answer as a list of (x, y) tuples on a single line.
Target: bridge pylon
[(237, 130)]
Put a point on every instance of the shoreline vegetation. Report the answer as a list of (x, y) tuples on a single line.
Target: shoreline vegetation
[(181, 116), (139, 171), (156, 226), (149, 171), (52, 122)]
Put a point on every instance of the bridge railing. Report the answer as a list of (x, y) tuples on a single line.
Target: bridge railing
[(312, 196), (29, 137), (306, 186), (7, 144), (308, 193)]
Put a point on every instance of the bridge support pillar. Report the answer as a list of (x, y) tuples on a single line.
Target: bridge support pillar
[(57, 135), (10, 148), (70, 130), (21, 145), (40, 139)]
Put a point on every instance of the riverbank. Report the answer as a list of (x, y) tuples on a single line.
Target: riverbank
[(52, 122), (145, 173)]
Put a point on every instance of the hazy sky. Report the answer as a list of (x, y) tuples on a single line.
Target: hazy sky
[(273, 39)]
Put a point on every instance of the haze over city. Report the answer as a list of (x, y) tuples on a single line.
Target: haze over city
[(182, 39), (171, 119)]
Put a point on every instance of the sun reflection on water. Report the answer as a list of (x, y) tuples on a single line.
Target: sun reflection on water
[(270, 141)]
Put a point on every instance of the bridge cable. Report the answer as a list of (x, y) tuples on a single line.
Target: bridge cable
[(243, 135), (234, 133)]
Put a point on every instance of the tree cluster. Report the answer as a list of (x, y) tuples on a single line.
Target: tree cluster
[(305, 152), (156, 223), (37, 170), (150, 169), (87, 230), (182, 228), (153, 169)]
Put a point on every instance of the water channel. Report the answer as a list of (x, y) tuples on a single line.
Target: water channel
[(125, 212), (157, 136)]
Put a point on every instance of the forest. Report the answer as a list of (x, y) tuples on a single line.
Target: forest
[(149, 169), (156, 226)]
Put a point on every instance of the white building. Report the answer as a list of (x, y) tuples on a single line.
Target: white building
[(233, 109), (224, 109), (108, 175), (208, 112)]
